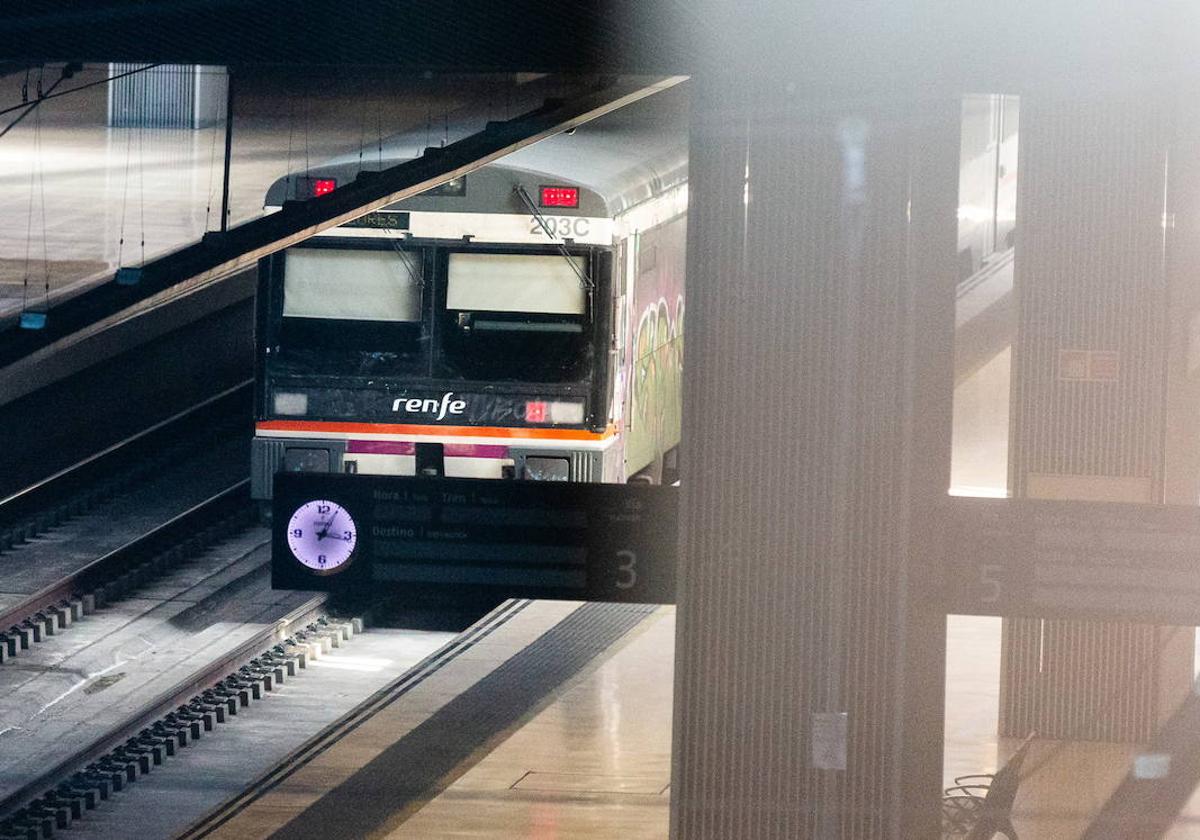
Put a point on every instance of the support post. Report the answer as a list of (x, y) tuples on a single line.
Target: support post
[(1089, 395), (810, 641)]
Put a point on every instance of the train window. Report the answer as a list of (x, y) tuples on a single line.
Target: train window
[(540, 283), (352, 284), (515, 317)]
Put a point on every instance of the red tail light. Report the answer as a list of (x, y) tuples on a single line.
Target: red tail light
[(535, 412), (560, 197)]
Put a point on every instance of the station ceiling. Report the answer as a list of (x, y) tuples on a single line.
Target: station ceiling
[(866, 45)]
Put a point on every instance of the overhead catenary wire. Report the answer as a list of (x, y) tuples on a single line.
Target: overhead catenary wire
[(28, 234), (42, 96), (142, 180), (307, 118), (124, 198), (37, 145), (291, 131), (212, 159), (37, 183), (48, 95), (379, 133), (362, 131)]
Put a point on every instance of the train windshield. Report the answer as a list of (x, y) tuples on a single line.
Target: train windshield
[(535, 283), (352, 299), (516, 317)]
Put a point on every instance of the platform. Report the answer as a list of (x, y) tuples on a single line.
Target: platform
[(590, 757), (551, 719)]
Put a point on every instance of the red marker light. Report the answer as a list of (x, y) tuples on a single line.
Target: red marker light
[(560, 197), (323, 186), (535, 412)]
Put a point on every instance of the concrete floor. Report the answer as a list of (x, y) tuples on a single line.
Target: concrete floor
[(595, 763)]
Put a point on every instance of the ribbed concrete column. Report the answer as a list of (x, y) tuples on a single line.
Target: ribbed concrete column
[(1089, 398), (818, 377)]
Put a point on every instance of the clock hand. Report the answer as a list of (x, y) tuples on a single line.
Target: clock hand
[(322, 534)]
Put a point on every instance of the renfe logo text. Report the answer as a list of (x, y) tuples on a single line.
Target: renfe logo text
[(430, 406)]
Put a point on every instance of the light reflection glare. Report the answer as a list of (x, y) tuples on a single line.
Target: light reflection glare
[(365, 664), (978, 491), (1151, 766)]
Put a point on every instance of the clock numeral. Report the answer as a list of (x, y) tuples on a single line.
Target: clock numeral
[(297, 533), (322, 508), (321, 559), (347, 535)]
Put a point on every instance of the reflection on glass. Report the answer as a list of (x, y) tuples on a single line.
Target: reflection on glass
[(985, 311)]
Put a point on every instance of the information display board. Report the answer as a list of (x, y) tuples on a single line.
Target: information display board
[(1055, 559), (590, 542)]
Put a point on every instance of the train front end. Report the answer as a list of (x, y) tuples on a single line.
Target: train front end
[(466, 332)]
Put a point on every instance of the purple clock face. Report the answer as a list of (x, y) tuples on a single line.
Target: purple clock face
[(322, 535)]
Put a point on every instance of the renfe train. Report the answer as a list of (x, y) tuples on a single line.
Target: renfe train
[(524, 321)]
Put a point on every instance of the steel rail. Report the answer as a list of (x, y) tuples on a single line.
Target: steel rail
[(119, 560), (333, 732), (38, 499), (167, 701)]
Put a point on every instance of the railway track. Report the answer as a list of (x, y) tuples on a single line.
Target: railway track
[(109, 523), (74, 491), (53, 608), (171, 720), (183, 702), (117, 564)]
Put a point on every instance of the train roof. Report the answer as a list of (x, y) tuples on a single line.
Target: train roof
[(624, 157)]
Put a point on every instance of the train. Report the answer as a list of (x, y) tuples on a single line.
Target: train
[(523, 321), (526, 320)]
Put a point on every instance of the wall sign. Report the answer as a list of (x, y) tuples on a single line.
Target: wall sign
[(1055, 559)]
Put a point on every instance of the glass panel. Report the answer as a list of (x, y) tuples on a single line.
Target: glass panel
[(985, 309), (352, 284), (516, 283), (1006, 183), (977, 182)]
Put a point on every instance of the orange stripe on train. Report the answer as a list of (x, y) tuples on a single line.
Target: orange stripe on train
[(410, 429)]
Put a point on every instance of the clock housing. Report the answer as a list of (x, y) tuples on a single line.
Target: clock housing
[(322, 535)]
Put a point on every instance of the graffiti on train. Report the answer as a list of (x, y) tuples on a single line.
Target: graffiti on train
[(655, 367), (655, 414)]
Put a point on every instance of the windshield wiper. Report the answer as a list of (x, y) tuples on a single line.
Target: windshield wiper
[(584, 280), (403, 253)]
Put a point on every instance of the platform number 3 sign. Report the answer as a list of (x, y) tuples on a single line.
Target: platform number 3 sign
[(626, 569)]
